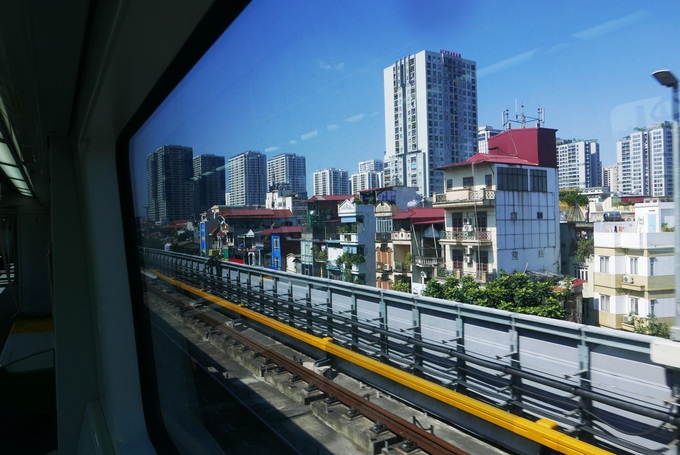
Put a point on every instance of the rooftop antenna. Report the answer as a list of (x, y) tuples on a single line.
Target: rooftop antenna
[(522, 118)]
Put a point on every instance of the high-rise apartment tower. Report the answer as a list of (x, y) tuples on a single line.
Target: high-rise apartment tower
[(645, 160), (211, 180), (430, 117), (248, 179), (578, 164), (170, 185), (288, 169), (330, 182)]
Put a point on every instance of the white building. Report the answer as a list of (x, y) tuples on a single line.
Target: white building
[(645, 160), (248, 179), (578, 164), (430, 117), (610, 178), (356, 236), (502, 211), (289, 170), (484, 133), (634, 267), (365, 180), (371, 165), (330, 182)]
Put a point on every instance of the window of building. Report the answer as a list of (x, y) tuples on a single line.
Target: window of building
[(488, 179), (539, 215), (633, 265), (633, 305), (652, 265), (468, 181), (539, 180), (512, 179), (449, 184), (605, 303), (275, 243), (515, 255), (604, 264)]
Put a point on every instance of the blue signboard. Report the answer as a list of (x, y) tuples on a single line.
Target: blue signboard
[(204, 251)]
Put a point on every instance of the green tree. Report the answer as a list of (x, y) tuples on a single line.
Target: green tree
[(403, 286), (345, 261), (650, 326), (573, 197), (584, 250), (516, 292)]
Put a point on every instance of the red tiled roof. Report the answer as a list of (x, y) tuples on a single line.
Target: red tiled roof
[(419, 215), (256, 213), (283, 230), (489, 158)]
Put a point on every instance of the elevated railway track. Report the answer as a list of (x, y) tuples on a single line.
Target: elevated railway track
[(522, 382)]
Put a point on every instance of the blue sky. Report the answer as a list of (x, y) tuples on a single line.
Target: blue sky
[(307, 77)]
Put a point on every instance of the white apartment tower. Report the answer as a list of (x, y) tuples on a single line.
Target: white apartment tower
[(289, 169), (371, 165), (248, 179), (578, 164), (610, 178), (430, 118), (645, 160), (330, 182), (365, 180)]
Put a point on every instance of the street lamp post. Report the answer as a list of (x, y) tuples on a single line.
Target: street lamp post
[(667, 79)]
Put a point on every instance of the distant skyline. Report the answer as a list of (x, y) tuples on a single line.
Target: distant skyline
[(307, 77)]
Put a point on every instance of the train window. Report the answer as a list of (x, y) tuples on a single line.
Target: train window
[(300, 101)]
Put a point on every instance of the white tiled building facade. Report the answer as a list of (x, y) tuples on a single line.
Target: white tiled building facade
[(330, 182), (645, 161), (578, 164)]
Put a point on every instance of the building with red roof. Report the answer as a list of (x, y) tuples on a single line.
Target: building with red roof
[(502, 207)]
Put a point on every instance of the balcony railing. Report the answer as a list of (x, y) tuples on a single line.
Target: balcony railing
[(428, 261), (401, 235), (466, 196), (461, 235)]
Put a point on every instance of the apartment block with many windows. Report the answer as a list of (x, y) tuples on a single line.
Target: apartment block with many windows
[(248, 179), (430, 117), (634, 267)]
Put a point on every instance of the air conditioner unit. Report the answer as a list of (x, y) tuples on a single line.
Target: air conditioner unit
[(468, 259), (468, 228), (628, 319), (468, 250), (627, 279)]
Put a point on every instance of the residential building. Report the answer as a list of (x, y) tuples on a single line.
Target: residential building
[(282, 198), (319, 228), (365, 180), (283, 241), (634, 267), (331, 181), (371, 165), (211, 179), (236, 232), (170, 185), (288, 169), (502, 208), (645, 160), (610, 178), (578, 164), (407, 247), (356, 231), (430, 118), (248, 179), (484, 133)]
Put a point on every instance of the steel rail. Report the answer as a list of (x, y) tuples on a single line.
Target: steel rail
[(425, 440)]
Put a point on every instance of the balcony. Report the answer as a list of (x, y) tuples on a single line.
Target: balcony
[(401, 236), (467, 197), (468, 234), (428, 261), (383, 236)]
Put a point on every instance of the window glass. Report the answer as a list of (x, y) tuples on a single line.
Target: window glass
[(295, 99)]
